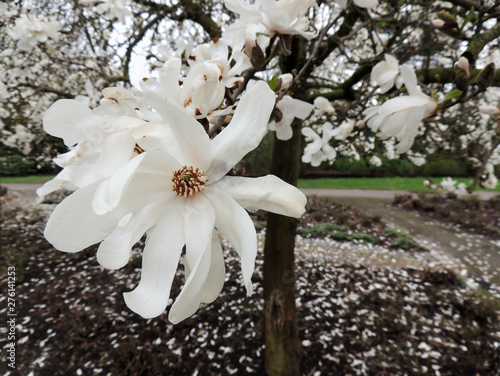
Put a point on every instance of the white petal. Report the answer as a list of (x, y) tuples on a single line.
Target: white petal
[(74, 226), (169, 78), (394, 123), (244, 133), (114, 251), (284, 131), (310, 133), (296, 107), (268, 193), (235, 223), (193, 141), (365, 3), (402, 103), (52, 185), (410, 79), (190, 297), (329, 152), (110, 191), (117, 149), (159, 264), (392, 61), (70, 120), (342, 3), (216, 276), (317, 158), (199, 219)]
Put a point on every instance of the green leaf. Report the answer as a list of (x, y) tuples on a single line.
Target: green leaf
[(272, 83), (467, 18), (381, 24), (453, 94)]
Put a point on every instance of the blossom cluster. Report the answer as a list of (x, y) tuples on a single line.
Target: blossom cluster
[(157, 161)]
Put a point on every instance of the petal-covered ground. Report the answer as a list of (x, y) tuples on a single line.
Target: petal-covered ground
[(366, 307)]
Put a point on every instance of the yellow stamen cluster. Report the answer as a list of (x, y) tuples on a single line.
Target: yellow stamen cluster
[(188, 181)]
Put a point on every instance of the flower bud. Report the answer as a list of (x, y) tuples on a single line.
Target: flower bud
[(447, 24), (284, 81), (360, 124), (485, 79), (438, 24), (447, 17), (463, 65), (257, 57), (462, 75)]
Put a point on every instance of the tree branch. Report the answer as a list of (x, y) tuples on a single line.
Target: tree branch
[(479, 41)]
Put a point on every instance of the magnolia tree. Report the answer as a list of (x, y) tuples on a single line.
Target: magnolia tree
[(156, 156)]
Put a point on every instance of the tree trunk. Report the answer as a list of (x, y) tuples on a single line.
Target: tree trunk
[(282, 345)]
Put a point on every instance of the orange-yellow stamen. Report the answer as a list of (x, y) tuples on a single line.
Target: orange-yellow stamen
[(188, 181)]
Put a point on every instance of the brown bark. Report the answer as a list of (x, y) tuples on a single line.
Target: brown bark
[(283, 348)]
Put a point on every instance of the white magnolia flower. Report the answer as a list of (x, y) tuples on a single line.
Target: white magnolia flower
[(290, 109), (246, 36), (280, 16), (200, 92), (28, 32), (344, 130), (450, 185), (323, 105), (490, 180), (217, 52), (318, 150), (375, 160), (401, 116), (20, 139), (359, 3), (178, 196), (386, 74), (111, 8), (100, 140)]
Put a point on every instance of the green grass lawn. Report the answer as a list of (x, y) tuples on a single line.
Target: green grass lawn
[(388, 183), (34, 179), (395, 183)]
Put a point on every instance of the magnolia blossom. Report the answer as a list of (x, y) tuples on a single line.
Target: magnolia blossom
[(200, 92), (490, 180), (100, 140), (318, 150), (20, 139), (344, 130), (28, 32), (376, 161), (246, 37), (323, 105), (290, 108), (450, 185), (280, 16), (230, 66), (111, 8), (401, 116), (359, 3), (386, 74), (176, 190)]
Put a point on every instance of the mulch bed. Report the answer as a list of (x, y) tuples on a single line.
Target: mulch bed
[(470, 213), (354, 319)]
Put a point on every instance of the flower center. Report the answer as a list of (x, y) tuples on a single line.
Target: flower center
[(188, 181)]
